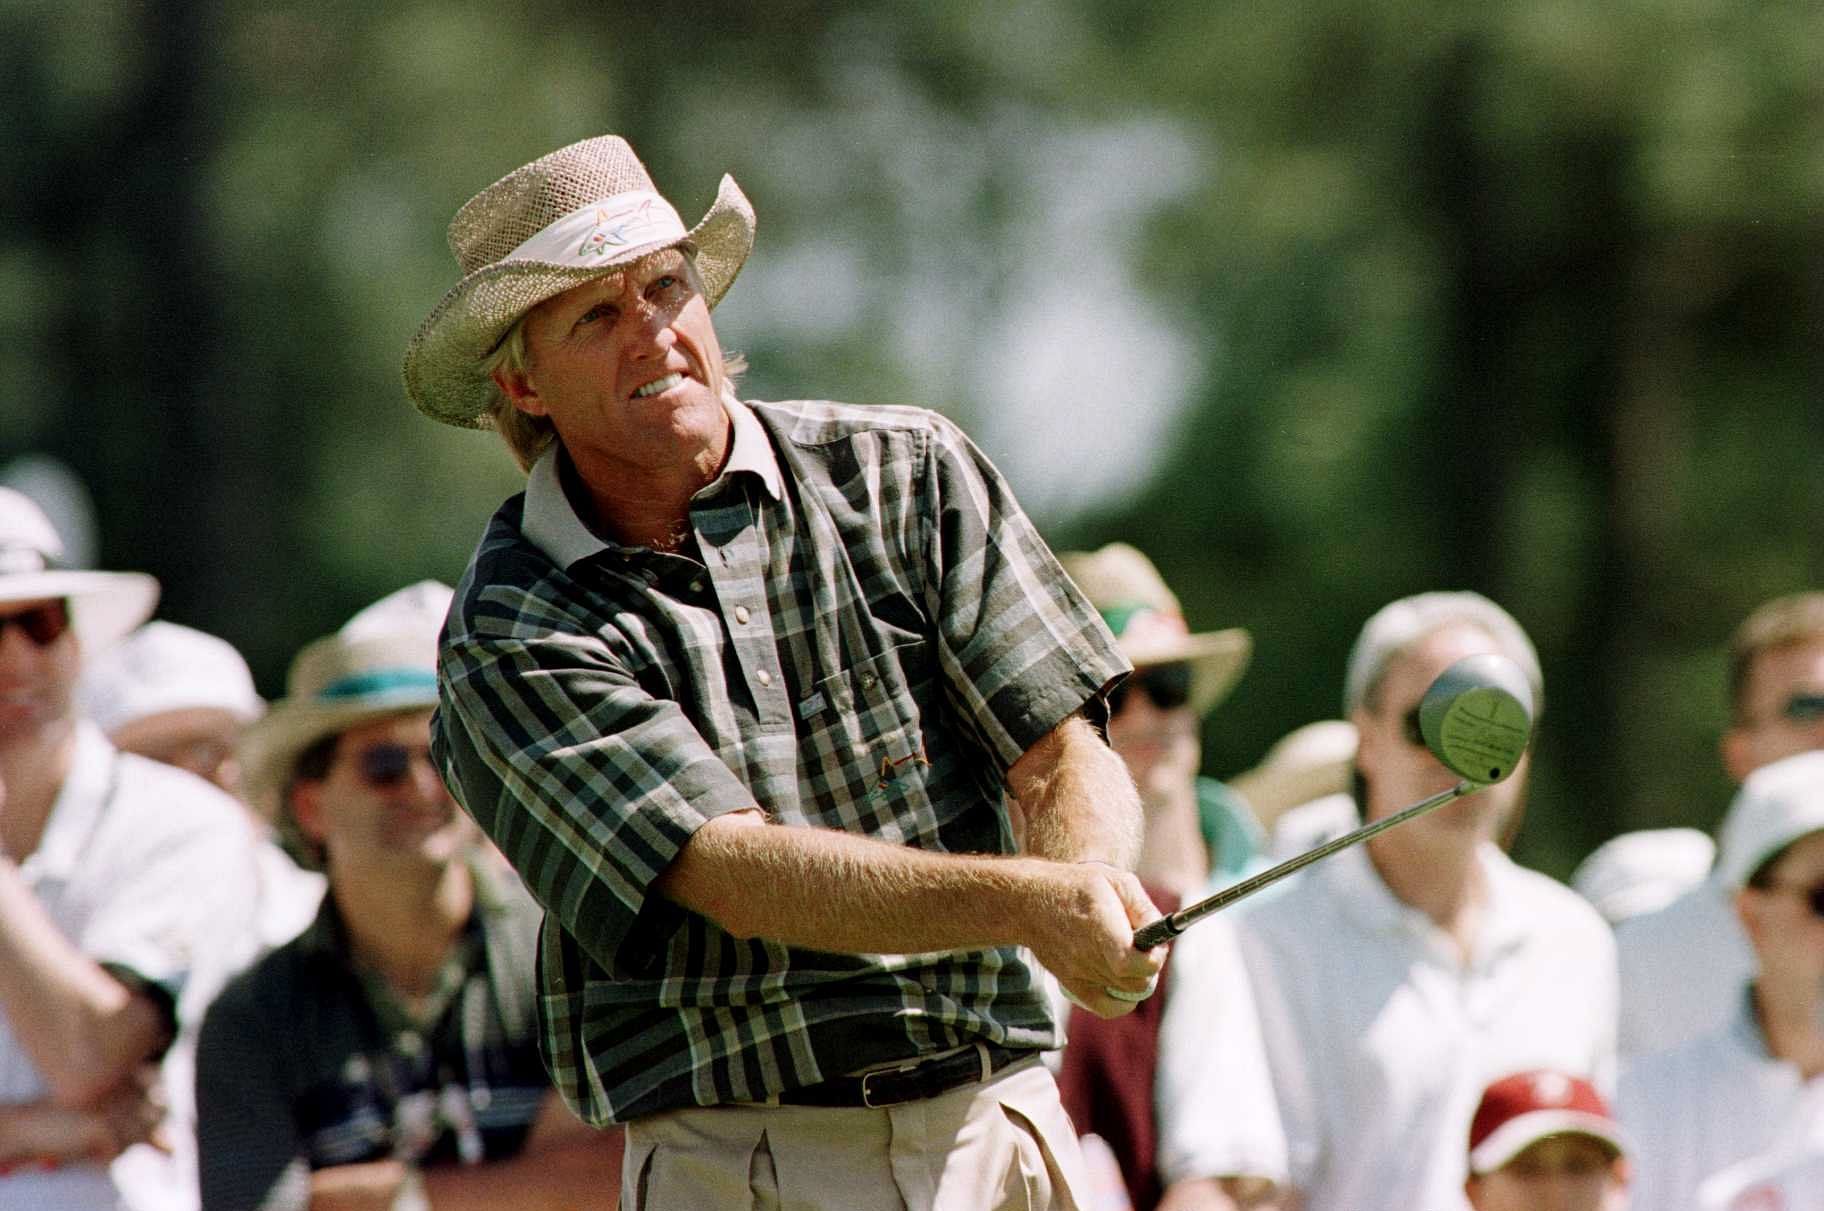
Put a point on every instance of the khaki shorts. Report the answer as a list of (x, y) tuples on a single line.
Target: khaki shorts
[(1004, 1143)]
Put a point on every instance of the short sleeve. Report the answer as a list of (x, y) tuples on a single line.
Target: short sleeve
[(1020, 646), (588, 784)]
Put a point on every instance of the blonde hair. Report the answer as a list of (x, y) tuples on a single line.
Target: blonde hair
[(1783, 622), (529, 436)]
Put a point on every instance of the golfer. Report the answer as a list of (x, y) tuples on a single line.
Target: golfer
[(741, 689)]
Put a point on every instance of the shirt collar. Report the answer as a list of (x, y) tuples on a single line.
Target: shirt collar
[(551, 522), (1372, 903), (77, 812)]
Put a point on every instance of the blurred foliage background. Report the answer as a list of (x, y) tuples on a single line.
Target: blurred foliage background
[(1318, 303)]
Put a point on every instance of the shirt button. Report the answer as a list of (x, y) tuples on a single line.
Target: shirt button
[(868, 680), (741, 614), (696, 586), (763, 677)]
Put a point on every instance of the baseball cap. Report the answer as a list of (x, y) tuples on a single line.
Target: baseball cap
[(1638, 872), (1520, 1110), (1777, 804), (166, 667)]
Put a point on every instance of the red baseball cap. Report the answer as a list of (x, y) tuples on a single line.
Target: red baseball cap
[(1520, 1110)]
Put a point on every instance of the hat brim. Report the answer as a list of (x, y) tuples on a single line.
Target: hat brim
[(1217, 660), (270, 747), (1522, 1131), (443, 374), (104, 606)]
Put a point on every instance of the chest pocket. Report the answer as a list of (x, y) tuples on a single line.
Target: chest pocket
[(860, 735)]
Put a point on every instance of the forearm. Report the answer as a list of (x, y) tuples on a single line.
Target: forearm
[(1077, 797), (40, 1133), (828, 890), (83, 1029)]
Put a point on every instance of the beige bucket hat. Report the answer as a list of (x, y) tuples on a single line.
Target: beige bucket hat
[(580, 212), (1144, 614), (383, 661), (103, 605)]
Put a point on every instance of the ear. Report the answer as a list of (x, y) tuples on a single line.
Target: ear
[(1368, 741), (517, 387), (307, 808)]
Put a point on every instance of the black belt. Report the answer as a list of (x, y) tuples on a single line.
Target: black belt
[(909, 1082)]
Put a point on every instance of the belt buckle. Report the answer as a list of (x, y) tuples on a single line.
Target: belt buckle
[(867, 1092)]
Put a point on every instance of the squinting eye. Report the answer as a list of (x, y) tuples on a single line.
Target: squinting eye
[(595, 313), (665, 283)]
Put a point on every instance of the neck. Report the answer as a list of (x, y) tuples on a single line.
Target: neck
[(32, 774), (404, 924), (1173, 854), (1789, 1016), (1441, 876), (642, 506)]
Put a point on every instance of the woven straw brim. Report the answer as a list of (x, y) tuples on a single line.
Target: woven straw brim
[(1217, 660), (104, 606), (443, 374)]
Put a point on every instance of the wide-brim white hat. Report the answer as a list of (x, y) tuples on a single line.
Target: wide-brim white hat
[(103, 605), (580, 212), (1133, 599), (382, 662)]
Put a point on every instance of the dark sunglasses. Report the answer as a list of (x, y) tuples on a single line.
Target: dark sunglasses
[(1804, 708), (386, 765), (1168, 685), (42, 624)]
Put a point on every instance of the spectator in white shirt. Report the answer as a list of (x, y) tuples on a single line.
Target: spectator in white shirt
[(1395, 980), (1682, 967), (1749, 1087)]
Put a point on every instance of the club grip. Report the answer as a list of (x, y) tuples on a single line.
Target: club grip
[(1149, 936)]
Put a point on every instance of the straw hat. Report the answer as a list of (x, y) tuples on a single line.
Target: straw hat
[(1134, 601), (103, 605), (581, 212), (383, 661)]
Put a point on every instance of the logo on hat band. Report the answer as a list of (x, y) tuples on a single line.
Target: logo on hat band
[(589, 234)]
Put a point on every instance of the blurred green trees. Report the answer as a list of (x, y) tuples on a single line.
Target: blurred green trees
[(1319, 304)]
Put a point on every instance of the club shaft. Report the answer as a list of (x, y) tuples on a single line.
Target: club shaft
[(1168, 927)]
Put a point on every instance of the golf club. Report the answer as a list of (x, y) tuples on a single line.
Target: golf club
[(1476, 718)]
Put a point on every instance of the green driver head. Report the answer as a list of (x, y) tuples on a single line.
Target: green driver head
[(1477, 717)]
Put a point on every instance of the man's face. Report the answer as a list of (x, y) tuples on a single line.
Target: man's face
[(1786, 931), (1560, 1173), (382, 803), (1769, 723), (199, 739), (1158, 741), (627, 367), (1396, 765), (39, 663)]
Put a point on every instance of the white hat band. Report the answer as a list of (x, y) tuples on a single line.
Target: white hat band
[(592, 234)]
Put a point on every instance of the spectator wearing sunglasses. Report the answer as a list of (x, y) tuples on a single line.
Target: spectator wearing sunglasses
[(1197, 835), (1683, 965), (123, 883), (388, 1055), (1401, 976), (1749, 1087)]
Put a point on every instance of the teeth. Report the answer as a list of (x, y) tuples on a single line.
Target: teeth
[(659, 384)]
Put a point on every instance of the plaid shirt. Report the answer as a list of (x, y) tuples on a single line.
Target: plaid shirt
[(873, 634)]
